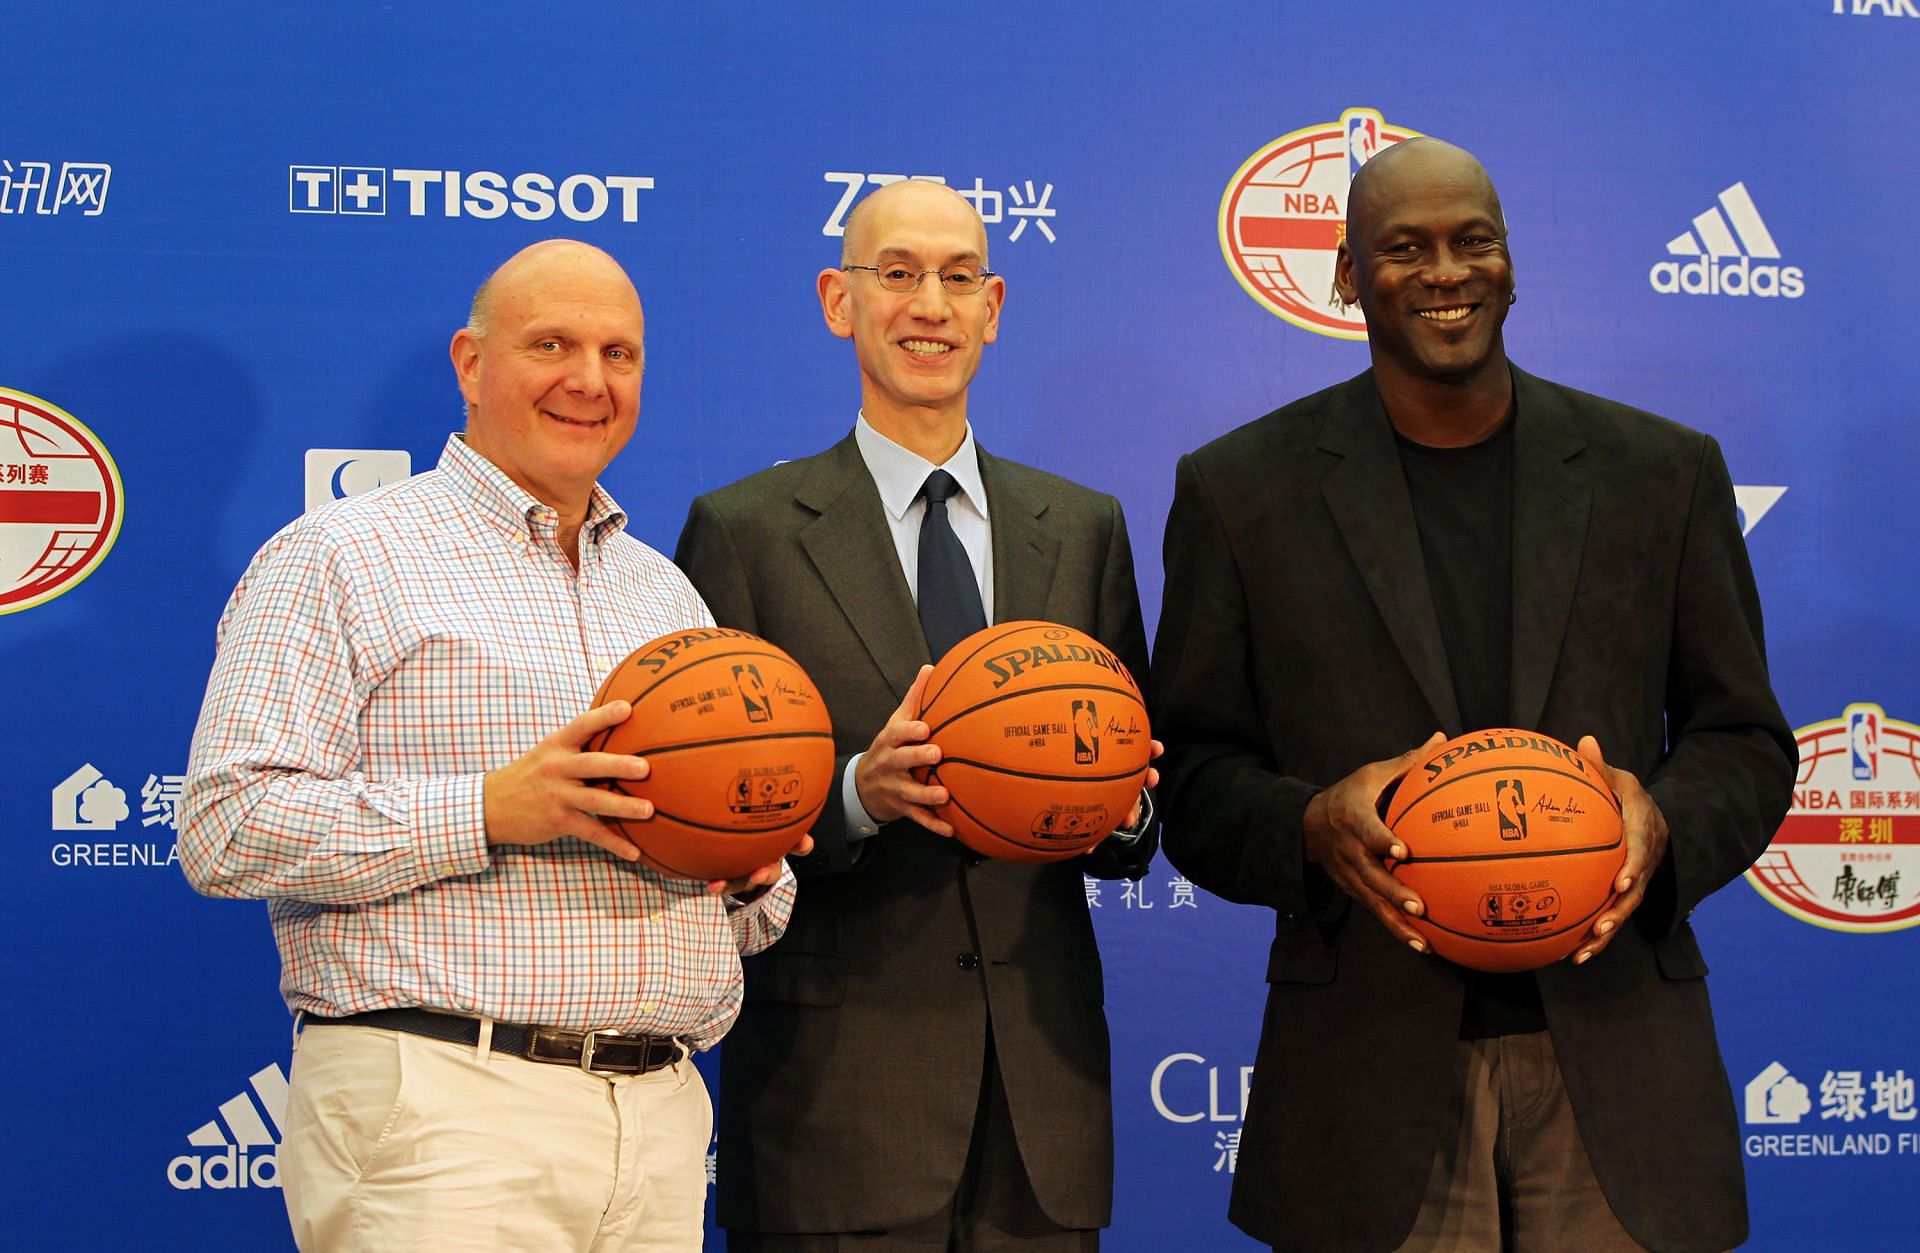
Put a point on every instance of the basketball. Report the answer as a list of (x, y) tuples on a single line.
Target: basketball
[(1513, 841), (739, 745), (1043, 740)]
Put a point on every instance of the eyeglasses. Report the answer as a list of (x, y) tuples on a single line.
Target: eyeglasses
[(959, 280)]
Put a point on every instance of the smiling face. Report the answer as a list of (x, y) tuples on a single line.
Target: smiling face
[(917, 350), (552, 377), (1426, 260)]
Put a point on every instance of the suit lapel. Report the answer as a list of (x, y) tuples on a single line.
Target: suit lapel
[(1024, 552), (852, 548), (1367, 495), (1551, 499)]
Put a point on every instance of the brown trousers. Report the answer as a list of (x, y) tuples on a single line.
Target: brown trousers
[(1512, 1173)]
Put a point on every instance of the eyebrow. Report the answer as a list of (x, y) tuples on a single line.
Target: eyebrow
[(906, 254), (1477, 221)]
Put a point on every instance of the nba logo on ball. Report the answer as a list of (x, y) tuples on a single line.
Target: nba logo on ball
[(1086, 733), (1510, 802), (1284, 216), (753, 693)]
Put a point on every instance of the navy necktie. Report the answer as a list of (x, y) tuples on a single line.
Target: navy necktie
[(949, 593)]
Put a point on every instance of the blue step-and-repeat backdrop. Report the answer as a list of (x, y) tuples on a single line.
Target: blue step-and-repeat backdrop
[(235, 239)]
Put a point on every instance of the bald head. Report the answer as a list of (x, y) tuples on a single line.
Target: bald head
[(541, 266), (909, 200), (1415, 167)]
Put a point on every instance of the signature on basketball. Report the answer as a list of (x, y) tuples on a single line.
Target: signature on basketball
[(1548, 805), (798, 692)]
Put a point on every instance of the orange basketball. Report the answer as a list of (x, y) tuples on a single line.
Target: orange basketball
[(1043, 740), (1513, 841), (740, 747)]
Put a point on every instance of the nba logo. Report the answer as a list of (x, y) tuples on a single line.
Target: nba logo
[(1863, 744), (753, 693), (1086, 733), (1363, 138), (1510, 802)]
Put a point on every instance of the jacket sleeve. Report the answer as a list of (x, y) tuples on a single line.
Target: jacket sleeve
[(1121, 628), (1727, 779), (1234, 825)]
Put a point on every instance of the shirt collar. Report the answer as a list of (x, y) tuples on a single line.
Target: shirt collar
[(506, 504), (900, 472)]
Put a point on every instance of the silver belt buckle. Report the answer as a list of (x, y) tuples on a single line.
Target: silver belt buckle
[(586, 1052)]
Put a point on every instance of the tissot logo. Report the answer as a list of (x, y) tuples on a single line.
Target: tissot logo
[(1729, 252), (372, 191)]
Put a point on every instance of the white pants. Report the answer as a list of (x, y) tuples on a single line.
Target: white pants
[(395, 1141)]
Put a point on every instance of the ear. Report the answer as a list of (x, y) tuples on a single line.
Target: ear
[(995, 296), (465, 351), (835, 302), (1343, 278)]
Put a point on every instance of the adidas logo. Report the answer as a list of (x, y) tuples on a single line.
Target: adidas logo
[(237, 1164), (1724, 247)]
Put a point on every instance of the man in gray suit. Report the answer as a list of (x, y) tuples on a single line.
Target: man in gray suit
[(924, 1062)]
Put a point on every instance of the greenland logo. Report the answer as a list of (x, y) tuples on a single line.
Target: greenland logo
[(230, 1147), (1729, 252)]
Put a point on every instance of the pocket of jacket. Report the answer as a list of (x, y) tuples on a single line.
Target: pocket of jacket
[(1680, 957)]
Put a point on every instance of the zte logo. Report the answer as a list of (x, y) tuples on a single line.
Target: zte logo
[(367, 191)]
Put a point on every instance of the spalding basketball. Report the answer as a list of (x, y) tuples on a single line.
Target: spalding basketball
[(1513, 841), (1043, 740), (739, 745)]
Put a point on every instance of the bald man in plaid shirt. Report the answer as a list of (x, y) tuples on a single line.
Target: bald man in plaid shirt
[(496, 1001)]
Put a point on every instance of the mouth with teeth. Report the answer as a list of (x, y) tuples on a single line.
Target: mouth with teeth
[(1452, 313), (564, 420), (928, 348)]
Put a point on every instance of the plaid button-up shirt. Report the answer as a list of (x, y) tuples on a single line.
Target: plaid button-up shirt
[(379, 656)]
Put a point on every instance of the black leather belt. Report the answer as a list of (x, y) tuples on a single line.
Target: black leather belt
[(596, 1052)]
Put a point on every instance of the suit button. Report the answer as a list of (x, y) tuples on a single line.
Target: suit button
[(968, 961)]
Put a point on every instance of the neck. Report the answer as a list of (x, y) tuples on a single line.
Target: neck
[(1446, 413), (935, 434)]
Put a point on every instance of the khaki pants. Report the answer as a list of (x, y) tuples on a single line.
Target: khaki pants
[(1512, 1173), (394, 1141)]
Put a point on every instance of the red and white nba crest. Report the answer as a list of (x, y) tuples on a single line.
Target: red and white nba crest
[(1284, 216), (60, 501), (1848, 855)]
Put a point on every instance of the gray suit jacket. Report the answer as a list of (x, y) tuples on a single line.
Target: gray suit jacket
[(848, 1087), (1298, 641)]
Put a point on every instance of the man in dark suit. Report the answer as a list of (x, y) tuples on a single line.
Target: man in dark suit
[(1441, 544), (924, 1062)]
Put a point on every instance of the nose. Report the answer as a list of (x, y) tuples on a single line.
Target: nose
[(1447, 268), (588, 375), (930, 301)]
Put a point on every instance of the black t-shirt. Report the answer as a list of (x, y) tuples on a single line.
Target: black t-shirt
[(1463, 509)]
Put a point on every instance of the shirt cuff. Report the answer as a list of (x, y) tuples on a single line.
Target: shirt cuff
[(860, 823), (1128, 835), (449, 822)]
